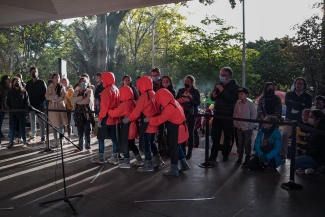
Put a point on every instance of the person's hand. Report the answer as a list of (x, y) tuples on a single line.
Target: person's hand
[(298, 138), (99, 123), (265, 159), (220, 87), (180, 100), (146, 120), (125, 120), (214, 94)]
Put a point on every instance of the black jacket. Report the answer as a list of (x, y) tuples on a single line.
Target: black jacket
[(316, 147), (294, 102), (98, 90), (36, 92), (194, 102), (17, 99), (224, 102)]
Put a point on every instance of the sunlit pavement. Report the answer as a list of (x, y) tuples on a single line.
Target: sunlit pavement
[(28, 178)]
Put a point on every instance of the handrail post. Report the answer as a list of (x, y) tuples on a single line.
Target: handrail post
[(206, 163), (291, 185)]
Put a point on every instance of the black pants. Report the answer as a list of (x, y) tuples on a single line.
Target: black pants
[(69, 122), (190, 120), (256, 164), (219, 125)]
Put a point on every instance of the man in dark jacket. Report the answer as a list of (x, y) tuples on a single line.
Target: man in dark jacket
[(99, 89), (225, 97), (36, 89), (296, 101)]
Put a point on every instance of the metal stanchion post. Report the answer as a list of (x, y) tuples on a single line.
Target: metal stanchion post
[(206, 163), (291, 185), (47, 148)]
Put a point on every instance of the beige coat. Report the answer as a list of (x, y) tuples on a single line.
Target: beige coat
[(75, 99), (56, 118)]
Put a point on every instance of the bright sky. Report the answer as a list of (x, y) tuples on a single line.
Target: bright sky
[(264, 18)]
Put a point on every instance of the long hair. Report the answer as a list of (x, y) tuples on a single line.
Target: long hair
[(265, 87), (126, 76), (191, 77), (3, 82), (170, 81), (22, 89), (58, 85), (319, 115)]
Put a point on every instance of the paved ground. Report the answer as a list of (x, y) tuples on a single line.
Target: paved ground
[(28, 178)]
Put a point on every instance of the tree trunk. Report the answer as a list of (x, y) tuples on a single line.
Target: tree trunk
[(101, 43), (113, 22)]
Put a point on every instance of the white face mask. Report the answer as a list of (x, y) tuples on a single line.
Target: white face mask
[(311, 121)]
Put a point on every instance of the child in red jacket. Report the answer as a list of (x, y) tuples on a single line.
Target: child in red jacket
[(129, 131), (177, 132)]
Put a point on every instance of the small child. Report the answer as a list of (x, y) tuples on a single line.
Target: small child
[(244, 109), (302, 134), (319, 103)]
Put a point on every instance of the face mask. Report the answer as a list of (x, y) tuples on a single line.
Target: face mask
[(223, 79), (311, 121), (186, 85), (270, 92), (83, 85), (155, 79), (34, 74), (166, 85)]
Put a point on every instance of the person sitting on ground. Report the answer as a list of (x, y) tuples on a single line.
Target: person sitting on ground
[(319, 103), (267, 146), (244, 109), (314, 155), (302, 134)]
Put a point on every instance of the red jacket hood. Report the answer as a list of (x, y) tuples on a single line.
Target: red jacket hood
[(126, 93), (108, 78), (163, 97), (144, 83)]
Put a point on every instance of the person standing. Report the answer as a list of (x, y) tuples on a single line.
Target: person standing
[(110, 99), (127, 81), (296, 101), (244, 109), (189, 98), (55, 94), (225, 97), (69, 106), (83, 100), (99, 89), (269, 103), (17, 99), (36, 89), (156, 80), (4, 89)]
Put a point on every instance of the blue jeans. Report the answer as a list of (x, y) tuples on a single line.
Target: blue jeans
[(150, 145), (32, 119), (101, 146), (55, 134), (112, 132), (85, 128), (305, 162), (181, 155), (13, 120), (2, 116)]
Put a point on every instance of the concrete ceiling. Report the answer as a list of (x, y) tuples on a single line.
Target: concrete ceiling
[(22, 12)]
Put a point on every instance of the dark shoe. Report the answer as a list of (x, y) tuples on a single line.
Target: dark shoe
[(10, 145), (184, 166), (268, 169), (225, 159), (189, 155), (212, 159), (120, 157), (245, 163), (239, 162)]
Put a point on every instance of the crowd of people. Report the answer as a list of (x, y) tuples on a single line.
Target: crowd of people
[(151, 111)]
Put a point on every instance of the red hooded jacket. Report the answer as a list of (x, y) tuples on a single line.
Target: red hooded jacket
[(109, 98), (172, 112), (125, 109), (145, 103)]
